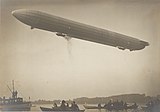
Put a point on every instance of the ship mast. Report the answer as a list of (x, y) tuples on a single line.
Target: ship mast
[(13, 85)]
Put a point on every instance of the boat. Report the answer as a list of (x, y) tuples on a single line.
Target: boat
[(111, 107), (59, 110), (14, 103)]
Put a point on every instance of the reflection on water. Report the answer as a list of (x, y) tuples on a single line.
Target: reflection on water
[(37, 108)]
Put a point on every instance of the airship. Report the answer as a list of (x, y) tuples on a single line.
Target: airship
[(69, 28)]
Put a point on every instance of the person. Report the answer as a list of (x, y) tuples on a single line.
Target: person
[(99, 106), (125, 106), (67, 106), (63, 106), (116, 105), (121, 103), (135, 104), (74, 106), (55, 107), (108, 105)]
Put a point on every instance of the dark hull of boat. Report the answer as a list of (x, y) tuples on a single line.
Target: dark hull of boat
[(53, 110), (110, 108), (26, 106)]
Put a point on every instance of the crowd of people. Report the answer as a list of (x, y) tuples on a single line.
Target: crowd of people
[(66, 106), (118, 105)]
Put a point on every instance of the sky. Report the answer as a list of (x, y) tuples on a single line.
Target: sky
[(45, 66)]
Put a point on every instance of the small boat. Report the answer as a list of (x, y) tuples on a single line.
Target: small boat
[(111, 107), (14, 103), (131, 107), (59, 110)]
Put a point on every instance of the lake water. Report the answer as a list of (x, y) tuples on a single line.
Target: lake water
[(37, 108)]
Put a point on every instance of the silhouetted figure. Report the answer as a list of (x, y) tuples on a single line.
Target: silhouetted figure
[(116, 105), (121, 103), (4, 100), (109, 105), (125, 105), (135, 104), (74, 106), (55, 107), (67, 106), (99, 106), (63, 106)]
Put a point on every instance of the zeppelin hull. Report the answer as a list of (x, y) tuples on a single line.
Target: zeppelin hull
[(44, 21)]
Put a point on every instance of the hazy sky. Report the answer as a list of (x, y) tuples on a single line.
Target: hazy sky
[(47, 67)]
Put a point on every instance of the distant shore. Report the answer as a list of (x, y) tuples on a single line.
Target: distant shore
[(129, 98)]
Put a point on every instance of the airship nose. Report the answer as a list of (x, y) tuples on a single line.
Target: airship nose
[(16, 13), (26, 16), (20, 15), (147, 44)]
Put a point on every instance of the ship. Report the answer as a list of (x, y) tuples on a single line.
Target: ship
[(14, 103)]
